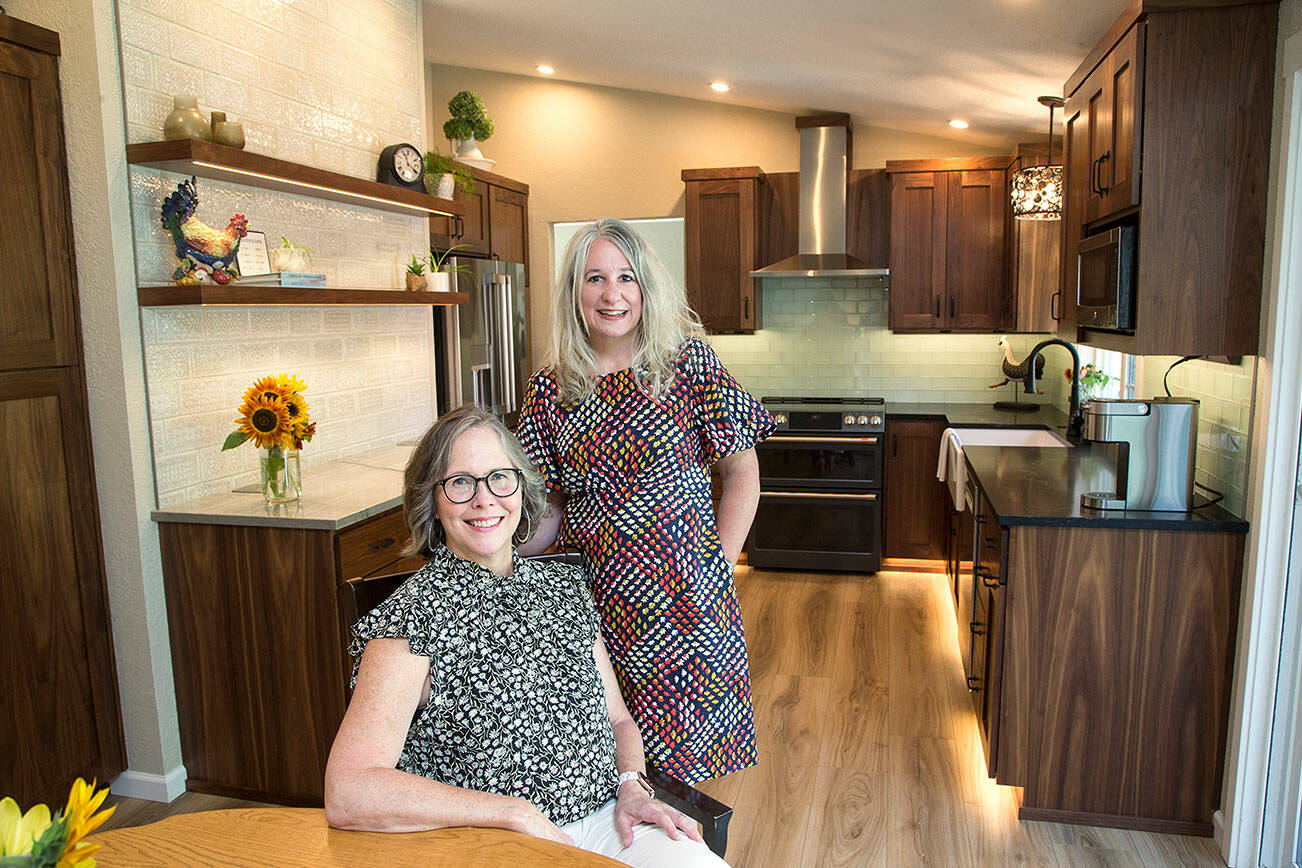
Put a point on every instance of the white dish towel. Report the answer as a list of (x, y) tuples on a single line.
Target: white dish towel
[(951, 468)]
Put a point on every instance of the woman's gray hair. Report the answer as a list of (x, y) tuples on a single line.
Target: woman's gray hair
[(667, 320), (429, 463)]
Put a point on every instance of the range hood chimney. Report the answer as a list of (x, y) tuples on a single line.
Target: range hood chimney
[(824, 172)]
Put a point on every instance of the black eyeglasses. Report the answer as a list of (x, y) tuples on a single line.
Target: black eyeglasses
[(502, 482)]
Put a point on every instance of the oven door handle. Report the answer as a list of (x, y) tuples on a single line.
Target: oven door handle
[(787, 439), (818, 495)]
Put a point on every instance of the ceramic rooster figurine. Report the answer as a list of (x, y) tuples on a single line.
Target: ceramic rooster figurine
[(1015, 370), (201, 249)]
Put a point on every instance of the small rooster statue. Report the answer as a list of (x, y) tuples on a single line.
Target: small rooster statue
[(201, 249), (1015, 370)]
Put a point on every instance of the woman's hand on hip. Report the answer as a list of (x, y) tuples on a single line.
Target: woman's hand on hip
[(528, 819), (634, 806)]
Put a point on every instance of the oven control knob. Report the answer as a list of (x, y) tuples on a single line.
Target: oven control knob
[(875, 420), (849, 418), (863, 420), (780, 418)]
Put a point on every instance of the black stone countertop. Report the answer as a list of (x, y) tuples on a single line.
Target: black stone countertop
[(1029, 485), (983, 415)]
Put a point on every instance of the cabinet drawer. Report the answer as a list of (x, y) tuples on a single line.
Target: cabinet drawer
[(375, 543)]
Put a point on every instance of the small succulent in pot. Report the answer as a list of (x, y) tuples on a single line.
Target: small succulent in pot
[(416, 280), (291, 257)]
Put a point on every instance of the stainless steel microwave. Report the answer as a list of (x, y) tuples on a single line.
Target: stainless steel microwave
[(1105, 280)]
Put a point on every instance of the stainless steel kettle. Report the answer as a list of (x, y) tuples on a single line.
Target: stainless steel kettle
[(1157, 439)]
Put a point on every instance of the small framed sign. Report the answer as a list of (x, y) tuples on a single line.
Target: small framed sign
[(252, 255)]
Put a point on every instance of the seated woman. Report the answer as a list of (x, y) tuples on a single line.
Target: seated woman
[(483, 694)]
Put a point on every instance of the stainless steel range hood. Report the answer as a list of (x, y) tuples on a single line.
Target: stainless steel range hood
[(824, 171)]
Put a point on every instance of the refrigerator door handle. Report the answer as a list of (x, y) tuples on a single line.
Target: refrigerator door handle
[(503, 343)]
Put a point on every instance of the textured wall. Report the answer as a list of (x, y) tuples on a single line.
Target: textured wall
[(830, 337), (328, 85)]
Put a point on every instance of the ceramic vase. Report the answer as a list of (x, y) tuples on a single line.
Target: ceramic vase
[(441, 281), (443, 185), (467, 148), (228, 133), (282, 479), (186, 121)]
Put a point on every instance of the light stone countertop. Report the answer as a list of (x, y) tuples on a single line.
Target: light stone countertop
[(335, 495)]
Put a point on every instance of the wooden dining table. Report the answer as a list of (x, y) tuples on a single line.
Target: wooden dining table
[(300, 836)]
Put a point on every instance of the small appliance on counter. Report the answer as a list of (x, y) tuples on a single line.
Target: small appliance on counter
[(1156, 439), (481, 351)]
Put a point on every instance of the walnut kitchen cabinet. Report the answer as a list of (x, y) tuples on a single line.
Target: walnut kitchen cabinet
[(916, 513), (1099, 648), (495, 224), (725, 210), (949, 236), (1167, 129), (58, 684), (258, 647), (1035, 275)]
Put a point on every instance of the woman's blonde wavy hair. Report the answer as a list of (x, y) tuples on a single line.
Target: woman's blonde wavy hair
[(666, 321)]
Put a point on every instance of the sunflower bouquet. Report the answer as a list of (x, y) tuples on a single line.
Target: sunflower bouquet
[(38, 840), (275, 417)]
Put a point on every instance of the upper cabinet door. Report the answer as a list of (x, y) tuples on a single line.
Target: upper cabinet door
[(1124, 81), (976, 291), (919, 205), (508, 213), (721, 249), (37, 290), (1076, 169)]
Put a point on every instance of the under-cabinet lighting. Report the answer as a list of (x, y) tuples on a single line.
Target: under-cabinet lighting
[(958, 124), (720, 86), (304, 184), (545, 69)]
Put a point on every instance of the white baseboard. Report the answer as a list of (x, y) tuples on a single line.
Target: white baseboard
[(145, 785)]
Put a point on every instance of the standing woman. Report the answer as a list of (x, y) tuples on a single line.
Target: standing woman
[(624, 423)]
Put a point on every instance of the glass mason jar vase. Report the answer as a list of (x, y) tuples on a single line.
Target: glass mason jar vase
[(282, 479)]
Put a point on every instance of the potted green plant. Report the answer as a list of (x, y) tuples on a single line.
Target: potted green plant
[(440, 275), (468, 125), (291, 257), (442, 172), (416, 280)]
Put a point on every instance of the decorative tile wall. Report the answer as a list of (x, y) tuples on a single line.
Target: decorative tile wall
[(829, 336), (1225, 393), (319, 82)]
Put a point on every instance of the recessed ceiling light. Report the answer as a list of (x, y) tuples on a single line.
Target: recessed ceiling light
[(545, 69), (720, 86), (958, 124)]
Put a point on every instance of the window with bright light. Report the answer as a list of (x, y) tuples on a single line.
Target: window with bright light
[(1121, 369)]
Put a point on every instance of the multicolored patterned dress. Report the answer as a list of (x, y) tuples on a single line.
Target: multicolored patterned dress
[(636, 473)]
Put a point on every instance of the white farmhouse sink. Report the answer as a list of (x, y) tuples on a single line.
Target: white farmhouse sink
[(1008, 437), (952, 470)]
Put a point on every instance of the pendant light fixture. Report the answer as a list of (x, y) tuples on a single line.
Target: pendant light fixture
[(1037, 190)]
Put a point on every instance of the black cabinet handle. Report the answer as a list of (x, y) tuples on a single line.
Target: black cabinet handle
[(977, 628), (973, 683), (989, 579), (1053, 306), (383, 544), (951, 307), (745, 308), (1094, 176), (895, 445), (937, 307), (1103, 188)]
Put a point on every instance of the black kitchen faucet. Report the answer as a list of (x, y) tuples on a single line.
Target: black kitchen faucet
[(1075, 421)]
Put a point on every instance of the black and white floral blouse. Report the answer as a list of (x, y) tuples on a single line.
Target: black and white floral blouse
[(516, 704)]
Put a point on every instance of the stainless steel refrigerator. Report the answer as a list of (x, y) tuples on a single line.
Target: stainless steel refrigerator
[(481, 347)]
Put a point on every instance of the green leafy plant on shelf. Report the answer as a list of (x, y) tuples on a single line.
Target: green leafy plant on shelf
[(416, 266), (438, 164), (438, 261), (469, 118)]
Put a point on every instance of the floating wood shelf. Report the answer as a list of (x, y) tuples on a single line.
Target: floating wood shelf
[(178, 296), (209, 160)]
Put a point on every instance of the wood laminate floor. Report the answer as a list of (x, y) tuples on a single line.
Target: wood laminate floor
[(869, 750)]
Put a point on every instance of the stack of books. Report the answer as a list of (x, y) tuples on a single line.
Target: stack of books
[(284, 278)]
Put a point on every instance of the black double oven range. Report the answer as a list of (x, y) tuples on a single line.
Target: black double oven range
[(821, 477)]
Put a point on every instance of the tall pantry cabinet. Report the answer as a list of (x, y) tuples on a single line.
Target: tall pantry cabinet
[(58, 682)]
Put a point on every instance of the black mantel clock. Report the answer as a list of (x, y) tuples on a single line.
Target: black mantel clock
[(401, 166)]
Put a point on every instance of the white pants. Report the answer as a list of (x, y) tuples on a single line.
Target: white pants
[(651, 847)]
